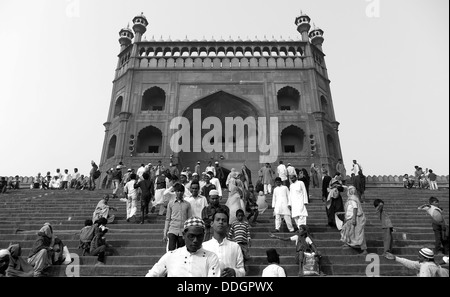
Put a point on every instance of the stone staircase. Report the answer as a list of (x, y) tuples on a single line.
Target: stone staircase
[(137, 247)]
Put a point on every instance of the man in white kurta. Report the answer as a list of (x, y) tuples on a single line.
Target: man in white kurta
[(280, 205), (298, 198), (229, 252), (191, 260), (282, 173), (198, 202)]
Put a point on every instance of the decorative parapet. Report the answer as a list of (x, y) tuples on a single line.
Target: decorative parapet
[(230, 54), (383, 181), (372, 181)]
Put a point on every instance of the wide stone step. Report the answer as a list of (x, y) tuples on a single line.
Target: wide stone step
[(156, 242), (74, 235), (254, 270)]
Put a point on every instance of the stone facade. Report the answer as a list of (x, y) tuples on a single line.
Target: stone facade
[(159, 80)]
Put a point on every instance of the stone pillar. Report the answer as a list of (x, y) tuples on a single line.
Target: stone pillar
[(105, 143), (122, 140)]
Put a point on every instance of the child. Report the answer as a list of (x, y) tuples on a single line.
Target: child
[(86, 235), (432, 177), (240, 233), (438, 224), (98, 246), (304, 244), (386, 225), (274, 269), (251, 205), (407, 183)]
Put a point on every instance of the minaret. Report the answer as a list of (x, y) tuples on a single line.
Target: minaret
[(126, 37), (316, 36), (303, 25), (140, 26)]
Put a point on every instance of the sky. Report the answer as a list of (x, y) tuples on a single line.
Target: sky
[(388, 62)]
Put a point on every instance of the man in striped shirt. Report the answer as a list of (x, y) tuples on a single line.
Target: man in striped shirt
[(240, 233)]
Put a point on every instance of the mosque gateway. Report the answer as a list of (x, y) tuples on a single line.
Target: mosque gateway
[(231, 101)]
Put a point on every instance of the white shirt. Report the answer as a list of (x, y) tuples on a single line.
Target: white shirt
[(129, 188), (215, 181), (212, 169), (197, 204), (140, 172), (229, 253), (182, 263), (291, 170), (295, 238), (298, 198), (75, 175), (282, 172), (273, 270), (280, 201), (65, 177), (356, 168)]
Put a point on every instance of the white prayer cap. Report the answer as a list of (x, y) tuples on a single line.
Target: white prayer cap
[(213, 192)]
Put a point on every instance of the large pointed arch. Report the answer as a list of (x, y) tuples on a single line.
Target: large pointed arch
[(221, 105)]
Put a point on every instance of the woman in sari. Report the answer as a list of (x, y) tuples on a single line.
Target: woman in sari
[(102, 210), (352, 233), (335, 205), (235, 200), (314, 173)]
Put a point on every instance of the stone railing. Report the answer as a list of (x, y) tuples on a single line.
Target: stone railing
[(372, 181), (396, 181)]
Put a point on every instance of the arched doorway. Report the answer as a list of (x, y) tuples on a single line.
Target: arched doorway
[(292, 139), (221, 105), (149, 140)]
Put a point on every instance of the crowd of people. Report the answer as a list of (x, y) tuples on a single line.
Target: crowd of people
[(56, 181), (214, 236), (422, 179)]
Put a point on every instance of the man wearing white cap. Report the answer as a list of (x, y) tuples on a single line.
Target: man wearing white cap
[(425, 266), (191, 260), (198, 202)]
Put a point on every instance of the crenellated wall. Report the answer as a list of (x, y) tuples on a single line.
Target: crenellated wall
[(372, 181), (221, 55)]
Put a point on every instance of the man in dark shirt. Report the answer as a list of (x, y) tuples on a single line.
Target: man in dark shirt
[(209, 211), (147, 193)]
